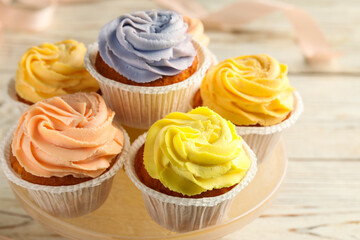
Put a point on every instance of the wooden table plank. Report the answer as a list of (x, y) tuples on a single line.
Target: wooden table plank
[(320, 198), (330, 125)]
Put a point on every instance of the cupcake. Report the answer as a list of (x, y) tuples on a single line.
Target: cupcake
[(196, 30), (189, 167), (147, 66), (254, 93), (50, 70), (64, 152)]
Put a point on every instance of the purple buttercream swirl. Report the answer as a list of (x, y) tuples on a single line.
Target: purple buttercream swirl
[(144, 46)]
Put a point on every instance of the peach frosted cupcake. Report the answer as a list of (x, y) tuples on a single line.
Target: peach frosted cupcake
[(189, 167), (147, 66), (65, 152), (254, 93), (50, 70), (196, 30)]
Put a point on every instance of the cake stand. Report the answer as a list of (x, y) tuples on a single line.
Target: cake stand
[(123, 216)]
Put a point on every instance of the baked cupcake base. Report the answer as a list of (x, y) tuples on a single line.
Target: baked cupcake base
[(158, 186), (51, 181), (65, 201), (12, 97), (185, 214), (20, 99), (110, 73)]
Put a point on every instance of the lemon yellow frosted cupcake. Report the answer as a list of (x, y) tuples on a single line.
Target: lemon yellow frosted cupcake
[(190, 162)]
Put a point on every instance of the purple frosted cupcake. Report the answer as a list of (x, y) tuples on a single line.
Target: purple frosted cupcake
[(147, 65)]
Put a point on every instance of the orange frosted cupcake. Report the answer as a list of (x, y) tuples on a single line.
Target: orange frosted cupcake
[(63, 146), (50, 70), (196, 30), (252, 91)]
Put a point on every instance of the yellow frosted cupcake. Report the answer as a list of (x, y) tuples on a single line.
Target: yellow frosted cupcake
[(187, 162), (254, 93), (50, 70)]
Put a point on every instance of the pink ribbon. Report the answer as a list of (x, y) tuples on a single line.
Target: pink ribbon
[(32, 15), (312, 42), (26, 14), (5, 238), (36, 15)]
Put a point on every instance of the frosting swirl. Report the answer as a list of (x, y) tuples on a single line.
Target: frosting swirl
[(196, 30), (67, 135), (194, 152), (144, 46), (249, 90), (51, 70)]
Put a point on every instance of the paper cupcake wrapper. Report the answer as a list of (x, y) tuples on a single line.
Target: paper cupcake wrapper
[(140, 107), (214, 59), (10, 96), (263, 140), (185, 214), (65, 201)]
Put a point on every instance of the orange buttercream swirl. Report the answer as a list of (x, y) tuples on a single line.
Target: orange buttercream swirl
[(249, 90), (196, 30), (67, 135), (51, 70)]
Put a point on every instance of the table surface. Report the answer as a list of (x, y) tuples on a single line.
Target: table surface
[(320, 197)]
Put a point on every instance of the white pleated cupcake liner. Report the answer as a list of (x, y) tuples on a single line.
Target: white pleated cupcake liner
[(262, 145), (65, 201), (140, 107), (10, 96), (214, 59), (186, 214), (263, 140)]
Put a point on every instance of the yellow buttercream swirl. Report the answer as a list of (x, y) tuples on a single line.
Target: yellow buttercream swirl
[(249, 90), (51, 70), (193, 152)]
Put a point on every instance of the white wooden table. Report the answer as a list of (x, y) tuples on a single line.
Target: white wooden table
[(320, 197)]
